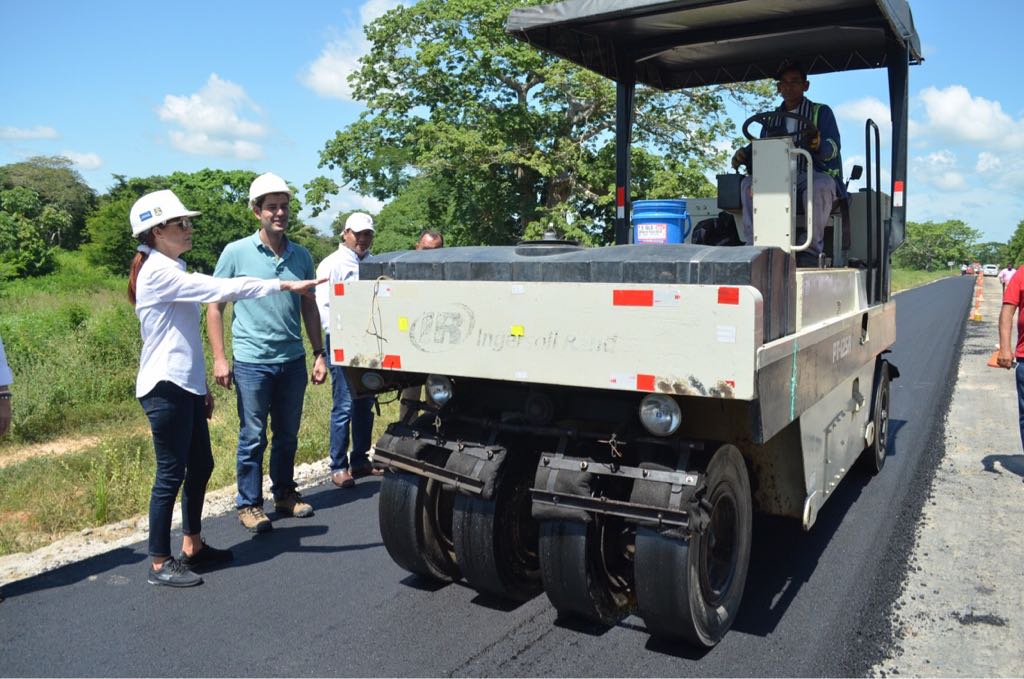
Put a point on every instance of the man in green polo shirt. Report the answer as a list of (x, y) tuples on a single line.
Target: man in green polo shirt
[(269, 366)]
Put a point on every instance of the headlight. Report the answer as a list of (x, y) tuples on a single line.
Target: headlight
[(372, 381), (439, 389), (660, 414)]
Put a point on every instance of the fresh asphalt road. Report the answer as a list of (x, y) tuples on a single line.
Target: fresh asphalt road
[(320, 596)]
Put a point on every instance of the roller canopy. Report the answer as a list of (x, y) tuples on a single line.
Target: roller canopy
[(689, 43)]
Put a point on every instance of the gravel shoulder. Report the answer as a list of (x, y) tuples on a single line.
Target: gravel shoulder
[(961, 610)]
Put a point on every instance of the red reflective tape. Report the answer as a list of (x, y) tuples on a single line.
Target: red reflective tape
[(731, 383), (728, 295), (632, 297), (897, 186), (645, 382), (339, 289), (393, 361), (620, 196), (339, 355)]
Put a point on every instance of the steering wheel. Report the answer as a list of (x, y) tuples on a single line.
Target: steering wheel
[(767, 117)]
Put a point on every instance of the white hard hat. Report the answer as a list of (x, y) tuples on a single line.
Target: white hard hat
[(153, 209), (268, 182), (359, 221)]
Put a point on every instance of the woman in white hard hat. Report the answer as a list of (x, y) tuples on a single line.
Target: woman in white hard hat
[(171, 385)]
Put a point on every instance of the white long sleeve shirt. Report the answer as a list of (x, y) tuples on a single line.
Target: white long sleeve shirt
[(341, 266), (167, 304)]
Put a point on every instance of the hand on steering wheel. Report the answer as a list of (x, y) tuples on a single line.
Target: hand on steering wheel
[(807, 136)]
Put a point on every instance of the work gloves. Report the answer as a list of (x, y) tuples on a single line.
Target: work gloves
[(811, 140)]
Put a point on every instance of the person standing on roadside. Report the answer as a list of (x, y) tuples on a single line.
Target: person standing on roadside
[(1013, 301), (348, 415), (6, 380), (429, 240), (1006, 274), (171, 384), (269, 360)]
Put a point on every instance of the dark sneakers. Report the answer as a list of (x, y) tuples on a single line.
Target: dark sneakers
[(206, 558), (174, 574)]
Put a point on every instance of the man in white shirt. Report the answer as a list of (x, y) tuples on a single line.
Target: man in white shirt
[(348, 415)]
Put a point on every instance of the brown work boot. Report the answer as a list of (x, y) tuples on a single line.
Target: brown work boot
[(253, 518), (342, 478), (293, 505)]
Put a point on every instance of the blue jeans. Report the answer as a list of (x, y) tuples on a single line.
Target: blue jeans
[(276, 390), (1020, 396), (347, 413), (181, 439)]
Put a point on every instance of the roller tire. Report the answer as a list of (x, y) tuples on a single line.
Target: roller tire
[(415, 525), (691, 589), (496, 540), (575, 582), (873, 457)]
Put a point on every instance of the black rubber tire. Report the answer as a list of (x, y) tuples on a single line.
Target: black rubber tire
[(874, 455), (496, 540), (691, 589), (576, 579), (415, 525)]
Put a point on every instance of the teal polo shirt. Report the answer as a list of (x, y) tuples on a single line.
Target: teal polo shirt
[(267, 329)]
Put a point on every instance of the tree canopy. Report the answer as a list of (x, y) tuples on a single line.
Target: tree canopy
[(488, 139), (61, 189), (931, 246)]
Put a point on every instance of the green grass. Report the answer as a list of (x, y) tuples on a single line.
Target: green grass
[(903, 279)]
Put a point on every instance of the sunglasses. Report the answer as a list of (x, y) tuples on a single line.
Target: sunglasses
[(184, 223)]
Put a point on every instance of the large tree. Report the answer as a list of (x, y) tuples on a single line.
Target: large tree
[(58, 185), (931, 246), (497, 138)]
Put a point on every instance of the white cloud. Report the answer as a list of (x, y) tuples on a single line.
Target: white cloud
[(328, 74), (954, 116), (202, 144), (36, 132), (860, 110), (86, 161), (214, 121), (939, 169), (988, 162)]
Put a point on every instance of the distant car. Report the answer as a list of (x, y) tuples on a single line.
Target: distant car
[(990, 270)]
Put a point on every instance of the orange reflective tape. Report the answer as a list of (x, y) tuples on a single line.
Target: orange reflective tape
[(632, 297), (393, 361), (339, 355), (339, 289)]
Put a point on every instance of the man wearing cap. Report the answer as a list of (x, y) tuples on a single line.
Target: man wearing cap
[(348, 414), (269, 367), (821, 141)]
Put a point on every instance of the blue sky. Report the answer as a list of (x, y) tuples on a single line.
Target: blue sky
[(142, 89)]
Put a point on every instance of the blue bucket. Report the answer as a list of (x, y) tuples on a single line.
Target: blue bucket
[(660, 221)]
